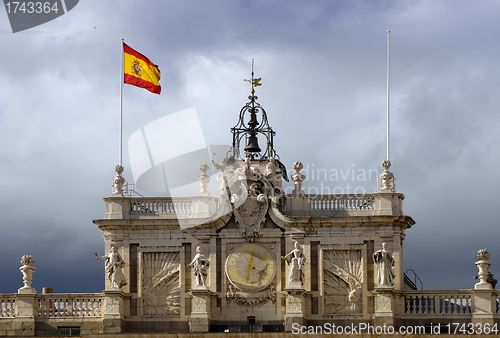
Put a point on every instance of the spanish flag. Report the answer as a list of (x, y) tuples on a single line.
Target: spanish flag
[(139, 71)]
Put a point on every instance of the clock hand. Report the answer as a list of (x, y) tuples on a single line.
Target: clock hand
[(250, 267)]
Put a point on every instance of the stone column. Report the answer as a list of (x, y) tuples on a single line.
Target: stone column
[(295, 306), (384, 306), (483, 298), (199, 321), (114, 311)]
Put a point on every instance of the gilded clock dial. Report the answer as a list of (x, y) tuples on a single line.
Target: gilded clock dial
[(250, 267)]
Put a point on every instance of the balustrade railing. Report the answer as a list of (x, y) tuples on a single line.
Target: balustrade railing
[(161, 205), (432, 302), (7, 306), (330, 205), (58, 305), (345, 202)]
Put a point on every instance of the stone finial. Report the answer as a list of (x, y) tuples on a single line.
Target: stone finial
[(483, 265), (483, 255), (298, 178), (118, 181), (204, 180), (387, 178), (27, 270)]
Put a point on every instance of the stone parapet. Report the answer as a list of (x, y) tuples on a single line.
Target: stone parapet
[(195, 207)]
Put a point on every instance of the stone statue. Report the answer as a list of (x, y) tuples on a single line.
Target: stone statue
[(385, 271), (227, 170), (200, 265), (296, 259), (114, 265)]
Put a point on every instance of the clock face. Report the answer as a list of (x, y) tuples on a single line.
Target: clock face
[(250, 267)]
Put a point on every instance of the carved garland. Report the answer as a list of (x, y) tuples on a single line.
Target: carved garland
[(233, 296)]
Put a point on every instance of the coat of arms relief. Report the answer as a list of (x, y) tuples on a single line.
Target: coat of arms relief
[(249, 191)]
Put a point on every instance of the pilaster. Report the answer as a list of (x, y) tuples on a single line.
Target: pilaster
[(117, 207), (114, 311), (295, 306), (483, 307), (24, 321), (384, 306), (199, 321)]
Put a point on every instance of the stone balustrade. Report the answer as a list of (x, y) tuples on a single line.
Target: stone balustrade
[(123, 207), (417, 307), (43, 314), (56, 305), (344, 205), (7, 306), (332, 205), (69, 305), (335, 203), (144, 205), (454, 302)]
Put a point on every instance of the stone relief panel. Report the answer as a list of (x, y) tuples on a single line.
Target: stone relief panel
[(199, 304), (383, 303), (112, 305), (293, 303), (343, 273), (160, 280)]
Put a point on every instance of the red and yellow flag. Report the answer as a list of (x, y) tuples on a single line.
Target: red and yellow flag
[(139, 71)]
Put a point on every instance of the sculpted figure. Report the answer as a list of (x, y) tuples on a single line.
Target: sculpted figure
[(385, 263), (227, 170), (200, 265), (296, 259), (114, 264)]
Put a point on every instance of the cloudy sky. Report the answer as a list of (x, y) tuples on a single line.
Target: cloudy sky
[(323, 69)]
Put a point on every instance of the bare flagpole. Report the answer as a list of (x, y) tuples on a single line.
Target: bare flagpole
[(388, 89), (120, 162), (387, 178), (118, 180)]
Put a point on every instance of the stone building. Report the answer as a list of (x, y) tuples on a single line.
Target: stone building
[(249, 259)]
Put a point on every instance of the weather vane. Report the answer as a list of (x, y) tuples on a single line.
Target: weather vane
[(254, 82)]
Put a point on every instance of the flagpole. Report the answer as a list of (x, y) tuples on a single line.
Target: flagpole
[(388, 89), (121, 107)]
